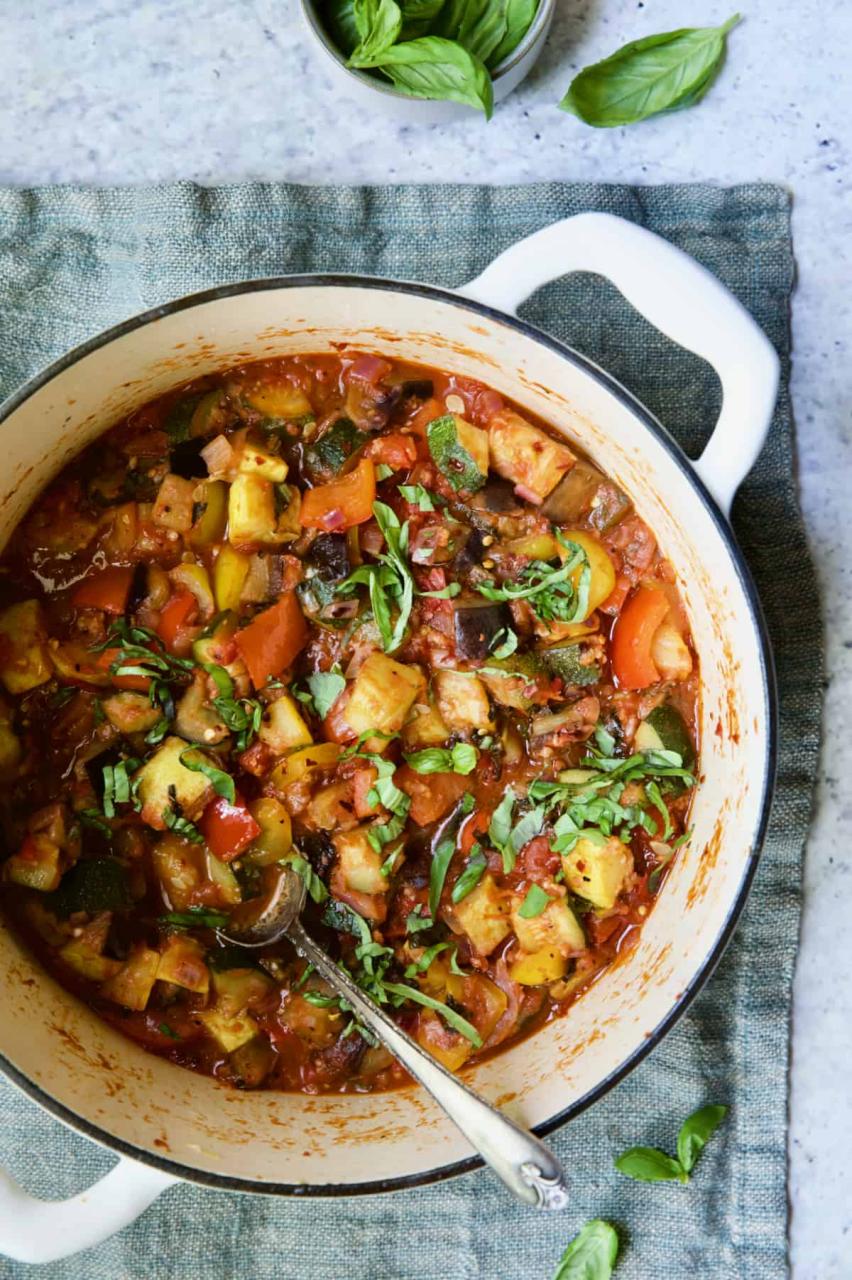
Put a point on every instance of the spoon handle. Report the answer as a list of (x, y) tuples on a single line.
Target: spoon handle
[(525, 1165)]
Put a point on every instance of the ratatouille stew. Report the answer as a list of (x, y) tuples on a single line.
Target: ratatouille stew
[(369, 619)]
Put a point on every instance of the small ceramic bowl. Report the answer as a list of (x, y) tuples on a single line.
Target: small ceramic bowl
[(380, 96)]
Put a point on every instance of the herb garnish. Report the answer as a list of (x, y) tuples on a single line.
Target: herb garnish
[(119, 788), (535, 902), (460, 758), (550, 588), (195, 918), (471, 875), (223, 783), (389, 583), (649, 1164)]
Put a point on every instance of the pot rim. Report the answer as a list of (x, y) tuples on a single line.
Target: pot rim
[(227, 1182)]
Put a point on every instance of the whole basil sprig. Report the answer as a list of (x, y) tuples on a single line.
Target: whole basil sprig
[(647, 77), (649, 1164)]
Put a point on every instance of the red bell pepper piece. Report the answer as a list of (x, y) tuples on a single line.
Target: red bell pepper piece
[(175, 617), (228, 828), (343, 503), (632, 663), (271, 640), (107, 590), (396, 450)]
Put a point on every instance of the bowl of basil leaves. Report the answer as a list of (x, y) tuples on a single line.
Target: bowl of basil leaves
[(429, 60)]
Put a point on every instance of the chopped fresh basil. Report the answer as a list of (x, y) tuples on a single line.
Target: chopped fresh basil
[(223, 783), (470, 876), (441, 860), (534, 903), (316, 888), (460, 758), (195, 918), (417, 496), (504, 643), (389, 583), (326, 687), (550, 589)]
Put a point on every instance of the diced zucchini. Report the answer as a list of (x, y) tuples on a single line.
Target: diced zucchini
[(260, 462), (75, 663), (598, 872), (536, 968), (220, 874), (474, 440), (195, 579), (215, 645), (664, 730), (196, 719), (229, 574), (80, 956), (92, 885), (283, 727), (163, 780), (359, 865), (484, 915), (276, 833), (24, 662), (36, 865), (557, 928), (382, 695), (289, 505), (130, 712), (330, 808), (252, 517), (452, 456), (278, 400), (182, 963), (424, 728), (670, 652), (462, 701), (325, 457), (566, 661), (131, 986), (180, 869), (174, 505), (240, 989), (295, 766), (523, 454)]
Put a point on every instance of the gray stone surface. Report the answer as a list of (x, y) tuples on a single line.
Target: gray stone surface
[(137, 91)]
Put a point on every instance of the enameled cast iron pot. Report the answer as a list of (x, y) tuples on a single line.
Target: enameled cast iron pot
[(168, 1123)]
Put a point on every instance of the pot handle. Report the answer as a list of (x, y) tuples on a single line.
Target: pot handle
[(680, 298), (33, 1230)]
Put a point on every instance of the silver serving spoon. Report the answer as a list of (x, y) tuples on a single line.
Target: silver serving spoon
[(525, 1165)]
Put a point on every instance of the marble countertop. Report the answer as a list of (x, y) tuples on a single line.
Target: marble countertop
[(134, 91)]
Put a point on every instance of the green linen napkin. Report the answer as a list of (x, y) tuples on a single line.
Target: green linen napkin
[(72, 262)]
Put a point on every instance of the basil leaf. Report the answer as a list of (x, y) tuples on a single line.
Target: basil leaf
[(418, 16), (646, 77), (416, 922), (696, 1131), (195, 918), (519, 19), (452, 459), (220, 677), (316, 888), (421, 965), (417, 496), (504, 643), (648, 1164), (441, 860), (446, 593), (482, 28), (439, 69), (461, 759), (534, 903), (379, 23), (339, 16), (223, 783), (591, 1254), (500, 829), (326, 687), (182, 826), (470, 877), (453, 1019)]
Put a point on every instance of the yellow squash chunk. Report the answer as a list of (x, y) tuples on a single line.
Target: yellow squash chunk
[(557, 928), (449, 1047), (164, 771), (80, 957), (259, 462), (224, 879), (295, 766), (240, 989), (462, 701), (182, 963), (131, 986), (278, 400), (212, 521), (330, 808), (195, 579), (382, 695), (359, 865), (179, 868), (10, 746), (474, 440), (424, 728), (484, 916), (24, 662), (289, 524), (130, 712), (602, 578), (231, 1033), (283, 727), (523, 454), (36, 866), (75, 662), (229, 574), (538, 967), (276, 832), (598, 872), (251, 511)]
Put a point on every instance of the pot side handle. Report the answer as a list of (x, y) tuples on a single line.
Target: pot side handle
[(680, 298), (38, 1231)]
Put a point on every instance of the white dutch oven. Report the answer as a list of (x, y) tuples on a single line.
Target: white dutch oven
[(167, 1123)]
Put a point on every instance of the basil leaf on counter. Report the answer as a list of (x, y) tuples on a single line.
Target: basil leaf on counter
[(696, 1132), (379, 23), (649, 76), (648, 1164), (591, 1254), (432, 67)]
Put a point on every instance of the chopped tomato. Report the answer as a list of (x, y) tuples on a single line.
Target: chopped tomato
[(632, 663), (432, 795), (107, 590), (343, 503), (395, 450), (228, 828), (362, 783), (175, 618), (272, 639), (617, 596)]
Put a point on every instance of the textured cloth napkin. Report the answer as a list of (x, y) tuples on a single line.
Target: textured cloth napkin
[(74, 261)]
